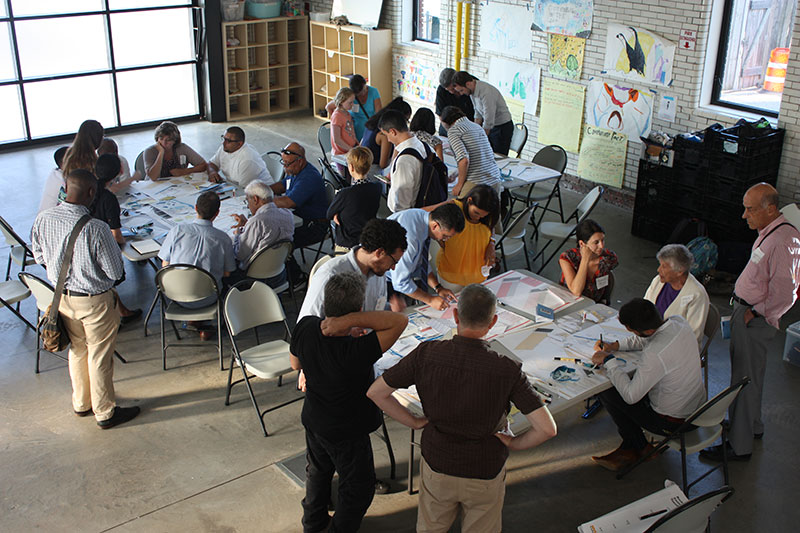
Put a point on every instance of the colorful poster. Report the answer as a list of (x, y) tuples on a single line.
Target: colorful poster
[(566, 55), (602, 156), (506, 29), (519, 83), (567, 17), (621, 109), (638, 55), (561, 115), (416, 80)]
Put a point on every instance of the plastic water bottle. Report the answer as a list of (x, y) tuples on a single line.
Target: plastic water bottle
[(485, 271)]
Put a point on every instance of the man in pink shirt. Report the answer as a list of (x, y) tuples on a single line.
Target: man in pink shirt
[(765, 290)]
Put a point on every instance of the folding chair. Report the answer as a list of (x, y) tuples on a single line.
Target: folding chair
[(553, 157), (322, 260), (519, 138), (138, 165), (12, 292), (324, 140), (187, 284), (43, 294), (693, 516), (274, 165), (513, 239), (247, 309), (20, 252), (563, 231), (330, 174), (270, 262), (700, 430), (709, 330), (330, 192)]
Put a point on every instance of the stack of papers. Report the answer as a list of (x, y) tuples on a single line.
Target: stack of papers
[(146, 246), (629, 519)]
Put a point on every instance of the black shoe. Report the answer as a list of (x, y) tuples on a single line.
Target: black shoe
[(300, 282), (84, 413), (382, 487), (758, 436), (119, 416), (136, 314), (714, 453)]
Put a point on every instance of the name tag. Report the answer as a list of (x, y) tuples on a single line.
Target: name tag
[(757, 255), (686, 300), (602, 282), (356, 108), (380, 305)]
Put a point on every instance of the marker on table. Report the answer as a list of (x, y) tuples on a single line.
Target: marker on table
[(601, 341), (651, 515)]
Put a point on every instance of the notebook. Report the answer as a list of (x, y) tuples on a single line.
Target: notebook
[(146, 246)]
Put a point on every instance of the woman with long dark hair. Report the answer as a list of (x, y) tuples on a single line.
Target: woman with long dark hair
[(82, 154), (586, 270), (376, 141)]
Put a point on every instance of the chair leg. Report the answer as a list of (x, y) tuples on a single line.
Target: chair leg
[(411, 464), (683, 466), (163, 340), (150, 312), (121, 359), (545, 263), (253, 399), (560, 205), (392, 463), (219, 336), (8, 267), (38, 342), (19, 315), (230, 375), (525, 251)]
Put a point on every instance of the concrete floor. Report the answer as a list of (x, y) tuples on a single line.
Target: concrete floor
[(188, 463)]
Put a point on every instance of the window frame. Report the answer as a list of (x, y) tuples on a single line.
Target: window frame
[(20, 82), (415, 5)]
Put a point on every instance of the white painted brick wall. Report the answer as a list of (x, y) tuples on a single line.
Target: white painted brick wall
[(664, 17)]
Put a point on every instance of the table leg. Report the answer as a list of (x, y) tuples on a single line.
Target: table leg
[(150, 312)]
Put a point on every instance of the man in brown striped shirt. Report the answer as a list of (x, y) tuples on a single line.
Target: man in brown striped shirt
[(465, 390)]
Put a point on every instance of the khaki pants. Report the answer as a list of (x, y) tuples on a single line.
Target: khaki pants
[(441, 496), (92, 323)]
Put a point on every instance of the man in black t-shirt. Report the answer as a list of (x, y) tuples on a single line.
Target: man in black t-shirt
[(337, 414)]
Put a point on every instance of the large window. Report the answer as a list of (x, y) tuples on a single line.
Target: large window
[(426, 20), (753, 54), (121, 62)]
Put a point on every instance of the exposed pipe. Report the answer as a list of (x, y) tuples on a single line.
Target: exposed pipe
[(458, 36), (467, 28)]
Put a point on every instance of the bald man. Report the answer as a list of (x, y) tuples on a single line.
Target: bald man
[(302, 190), (237, 160), (765, 290)]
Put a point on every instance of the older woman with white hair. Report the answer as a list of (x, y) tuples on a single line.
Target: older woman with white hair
[(675, 291)]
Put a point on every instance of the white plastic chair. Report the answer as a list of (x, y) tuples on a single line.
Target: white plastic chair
[(513, 240), (138, 165), (519, 138), (322, 260), (700, 430), (709, 330), (20, 252), (12, 292), (557, 231), (247, 309), (182, 284), (274, 166), (693, 516), (324, 140)]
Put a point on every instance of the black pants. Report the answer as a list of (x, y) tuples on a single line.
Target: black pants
[(500, 137), (352, 459), (311, 232), (630, 419)]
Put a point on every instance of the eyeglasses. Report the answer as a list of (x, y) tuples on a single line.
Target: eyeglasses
[(227, 140), (286, 151), (394, 261)]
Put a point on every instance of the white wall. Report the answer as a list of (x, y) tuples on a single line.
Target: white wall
[(665, 17)]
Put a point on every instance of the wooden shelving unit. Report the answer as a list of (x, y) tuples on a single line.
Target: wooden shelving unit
[(266, 73), (338, 52)]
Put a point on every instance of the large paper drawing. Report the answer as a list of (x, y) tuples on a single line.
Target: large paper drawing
[(567, 17), (416, 80), (519, 83), (561, 114), (621, 109), (602, 156), (639, 55), (566, 55), (506, 29)]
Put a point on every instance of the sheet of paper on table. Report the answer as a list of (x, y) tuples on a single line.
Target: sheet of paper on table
[(524, 171), (628, 519), (507, 321), (523, 292)]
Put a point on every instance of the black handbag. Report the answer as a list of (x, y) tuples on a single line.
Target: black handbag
[(54, 334)]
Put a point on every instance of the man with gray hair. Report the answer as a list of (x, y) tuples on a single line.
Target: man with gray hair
[(675, 291), (446, 95), (465, 390), (337, 415), (267, 225)]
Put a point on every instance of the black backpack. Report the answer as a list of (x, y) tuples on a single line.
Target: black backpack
[(433, 183)]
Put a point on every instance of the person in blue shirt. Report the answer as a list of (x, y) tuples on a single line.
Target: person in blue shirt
[(442, 223), (201, 244), (368, 102)]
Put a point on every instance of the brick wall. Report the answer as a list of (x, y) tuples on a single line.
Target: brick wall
[(665, 17)]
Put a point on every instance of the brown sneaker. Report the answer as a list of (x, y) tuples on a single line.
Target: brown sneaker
[(616, 460)]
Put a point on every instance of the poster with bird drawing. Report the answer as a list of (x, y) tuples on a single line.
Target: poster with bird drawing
[(638, 55)]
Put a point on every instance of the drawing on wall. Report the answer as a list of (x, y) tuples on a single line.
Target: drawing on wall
[(518, 82), (638, 55), (567, 17), (416, 80), (561, 114), (566, 55), (621, 109), (505, 29)]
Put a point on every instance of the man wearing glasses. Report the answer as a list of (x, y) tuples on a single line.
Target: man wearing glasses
[(302, 190), (412, 276), (237, 160)]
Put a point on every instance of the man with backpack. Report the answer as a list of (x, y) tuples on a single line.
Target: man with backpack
[(473, 153), (418, 176)]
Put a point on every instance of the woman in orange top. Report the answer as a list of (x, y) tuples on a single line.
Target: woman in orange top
[(467, 257)]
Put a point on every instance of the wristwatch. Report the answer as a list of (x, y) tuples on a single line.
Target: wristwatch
[(437, 287)]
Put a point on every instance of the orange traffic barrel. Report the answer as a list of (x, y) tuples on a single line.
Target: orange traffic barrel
[(776, 70)]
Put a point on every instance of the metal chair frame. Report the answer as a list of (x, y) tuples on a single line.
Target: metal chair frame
[(324, 140), (709, 330), (516, 230)]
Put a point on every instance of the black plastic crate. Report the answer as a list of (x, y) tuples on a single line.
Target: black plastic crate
[(729, 141), (726, 189), (650, 228), (693, 154), (691, 175), (756, 168)]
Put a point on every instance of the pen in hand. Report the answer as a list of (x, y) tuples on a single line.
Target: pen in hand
[(601, 341)]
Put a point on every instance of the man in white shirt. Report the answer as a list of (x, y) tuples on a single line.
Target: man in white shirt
[(666, 388), (406, 168), (491, 110), (237, 160)]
